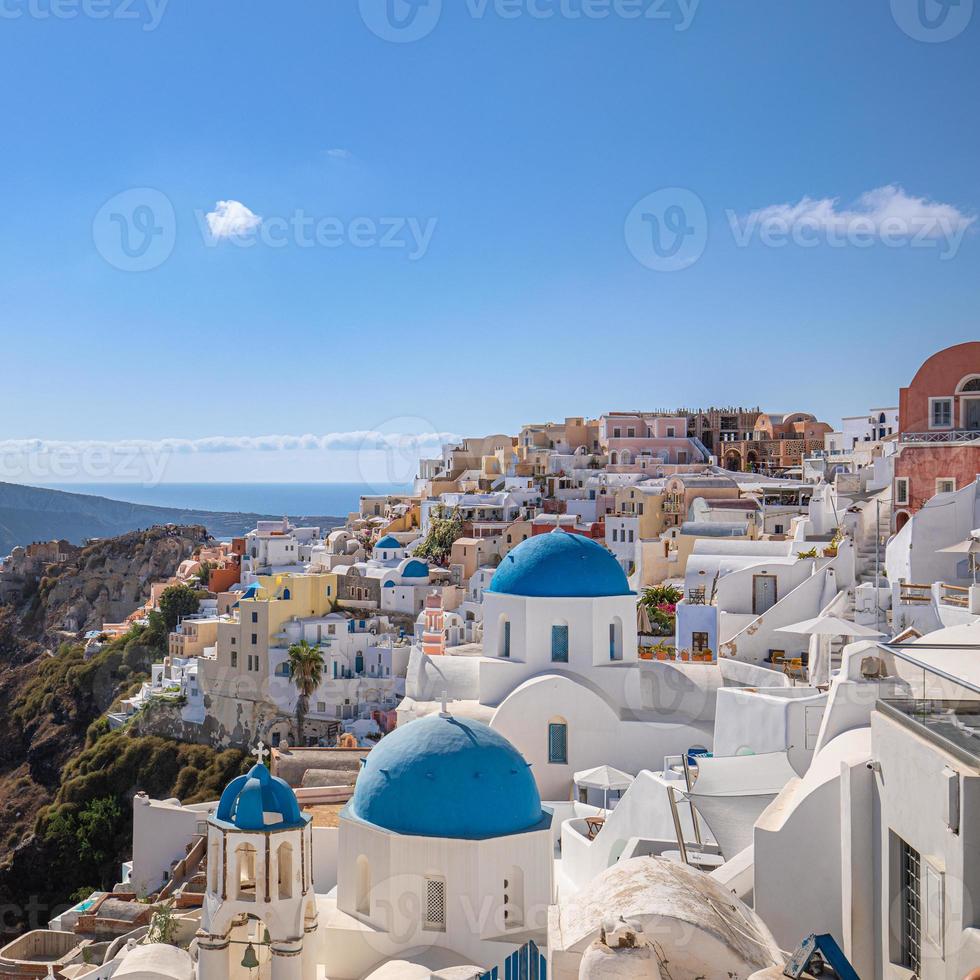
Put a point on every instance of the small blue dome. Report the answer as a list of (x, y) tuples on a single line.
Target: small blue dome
[(560, 564), (447, 777), (389, 542), (252, 801), (413, 568)]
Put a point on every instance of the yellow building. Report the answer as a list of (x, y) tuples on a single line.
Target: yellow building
[(646, 505), (241, 665)]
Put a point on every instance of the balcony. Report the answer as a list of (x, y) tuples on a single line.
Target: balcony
[(940, 436), (939, 706)]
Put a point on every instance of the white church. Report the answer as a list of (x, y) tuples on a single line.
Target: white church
[(444, 869), (559, 673)]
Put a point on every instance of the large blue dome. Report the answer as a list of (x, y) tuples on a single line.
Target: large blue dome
[(259, 801), (560, 564), (447, 777)]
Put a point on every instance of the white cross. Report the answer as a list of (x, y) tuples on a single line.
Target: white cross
[(445, 705), (260, 752)]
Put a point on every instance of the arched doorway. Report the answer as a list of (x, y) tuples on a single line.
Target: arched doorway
[(733, 460), (901, 519)]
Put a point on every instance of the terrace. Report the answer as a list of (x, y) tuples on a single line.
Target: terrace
[(938, 705)]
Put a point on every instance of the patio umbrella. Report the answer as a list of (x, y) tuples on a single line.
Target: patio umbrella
[(819, 667), (643, 619), (604, 778), (829, 626), (969, 547)]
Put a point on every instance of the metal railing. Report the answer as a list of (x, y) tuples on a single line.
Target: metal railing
[(942, 435), (941, 705)]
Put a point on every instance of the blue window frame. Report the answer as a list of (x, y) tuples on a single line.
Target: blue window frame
[(558, 743), (505, 651), (559, 644)]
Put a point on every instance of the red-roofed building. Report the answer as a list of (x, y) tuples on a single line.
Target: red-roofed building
[(939, 430)]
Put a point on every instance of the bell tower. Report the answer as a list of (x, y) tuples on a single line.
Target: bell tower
[(259, 905)]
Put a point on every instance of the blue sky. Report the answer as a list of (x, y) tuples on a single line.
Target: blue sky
[(520, 145)]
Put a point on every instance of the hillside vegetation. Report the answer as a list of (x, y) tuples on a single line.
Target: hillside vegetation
[(67, 781)]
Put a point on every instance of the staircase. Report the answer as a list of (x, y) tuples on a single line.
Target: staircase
[(192, 864), (838, 643), (872, 537)]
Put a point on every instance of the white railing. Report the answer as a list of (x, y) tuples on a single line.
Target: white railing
[(943, 435)]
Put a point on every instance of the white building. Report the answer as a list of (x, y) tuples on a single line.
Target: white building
[(559, 675)]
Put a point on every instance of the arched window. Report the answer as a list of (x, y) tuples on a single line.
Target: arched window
[(503, 638), (559, 643), (613, 458), (286, 594), (625, 458), (558, 742), (245, 868), (363, 885), (284, 865), (514, 898), (616, 639), (213, 857), (969, 384)]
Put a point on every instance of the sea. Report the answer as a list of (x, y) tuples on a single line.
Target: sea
[(288, 499)]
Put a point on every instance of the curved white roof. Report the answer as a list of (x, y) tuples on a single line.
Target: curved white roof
[(156, 961)]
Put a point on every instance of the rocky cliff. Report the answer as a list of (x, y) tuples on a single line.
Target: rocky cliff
[(66, 780), (106, 581)]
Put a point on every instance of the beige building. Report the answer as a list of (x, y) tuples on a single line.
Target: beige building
[(235, 679), (192, 637)]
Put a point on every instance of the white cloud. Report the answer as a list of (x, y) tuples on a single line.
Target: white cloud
[(886, 212), (361, 440), (231, 219), (339, 153)]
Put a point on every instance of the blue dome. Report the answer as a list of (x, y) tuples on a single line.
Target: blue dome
[(388, 541), (447, 777), (560, 564), (413, 568), (253, 801)]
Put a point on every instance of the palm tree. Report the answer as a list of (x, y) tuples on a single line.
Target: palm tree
[(306, 670)]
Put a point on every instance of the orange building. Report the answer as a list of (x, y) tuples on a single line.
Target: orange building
[(939, 430)]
